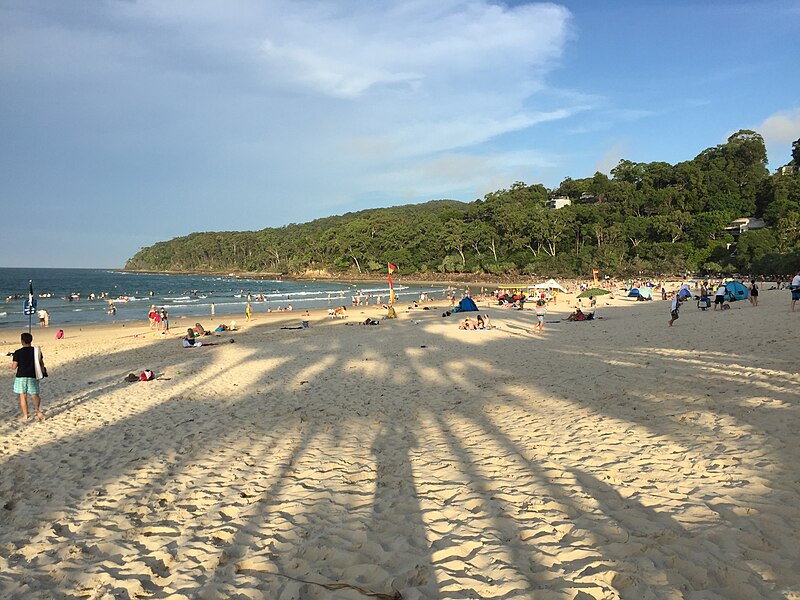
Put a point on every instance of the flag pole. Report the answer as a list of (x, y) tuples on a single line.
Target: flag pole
[(391, 285), (30, 304)]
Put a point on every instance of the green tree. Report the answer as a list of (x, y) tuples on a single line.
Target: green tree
[(753, 245)]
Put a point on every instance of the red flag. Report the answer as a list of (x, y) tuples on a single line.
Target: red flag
[(392, 268)]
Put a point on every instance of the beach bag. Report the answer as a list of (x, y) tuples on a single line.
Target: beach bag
[(147, 375)]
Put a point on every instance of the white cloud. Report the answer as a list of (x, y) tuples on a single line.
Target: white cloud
[(779, 130), (782, 127), (289, 107), (458, 175), (611, 157)]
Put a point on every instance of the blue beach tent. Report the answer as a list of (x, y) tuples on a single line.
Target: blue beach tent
[(735, 291), (467, 304), (642, 293)]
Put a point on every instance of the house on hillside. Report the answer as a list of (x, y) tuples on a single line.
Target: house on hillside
[(787, 170), (742, 224), (558, 202)]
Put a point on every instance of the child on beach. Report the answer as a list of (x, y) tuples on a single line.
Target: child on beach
[(541, 311)]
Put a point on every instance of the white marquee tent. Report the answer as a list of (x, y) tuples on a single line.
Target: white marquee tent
[(550, 284)]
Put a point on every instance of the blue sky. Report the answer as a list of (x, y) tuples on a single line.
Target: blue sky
[(124, 123)]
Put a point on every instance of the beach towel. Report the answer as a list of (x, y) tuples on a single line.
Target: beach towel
[(41, 372)]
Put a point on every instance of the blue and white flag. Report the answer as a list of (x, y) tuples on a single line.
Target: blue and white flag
[(29, 306)]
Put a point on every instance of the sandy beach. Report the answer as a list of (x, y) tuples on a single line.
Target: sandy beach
[(617, 458)]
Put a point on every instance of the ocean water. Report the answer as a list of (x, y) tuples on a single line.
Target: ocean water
[(65, 294)]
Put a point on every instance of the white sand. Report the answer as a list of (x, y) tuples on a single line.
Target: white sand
[(613, 459)]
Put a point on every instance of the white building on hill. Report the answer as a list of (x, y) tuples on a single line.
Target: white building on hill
[(559, 202), (742, 224)]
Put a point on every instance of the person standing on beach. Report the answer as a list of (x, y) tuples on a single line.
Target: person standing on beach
[(40, 314), (541, 311), (248, 311), (24, 361), (753, 292), (719, 297), (212, 310), (164, 319), (675, 309), (795, 287)]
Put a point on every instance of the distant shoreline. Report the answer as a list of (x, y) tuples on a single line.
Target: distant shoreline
[(416, 278)]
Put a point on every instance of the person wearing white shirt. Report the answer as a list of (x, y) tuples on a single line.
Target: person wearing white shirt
[(675, 309), (795, 287), (719, 297)]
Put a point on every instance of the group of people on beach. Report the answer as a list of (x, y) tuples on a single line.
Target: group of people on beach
[(683, 295), (723, 296), (159, 319), (481, 322)]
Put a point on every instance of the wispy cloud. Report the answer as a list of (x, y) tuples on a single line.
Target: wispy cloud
[(330, 82), (605, 119), (782, 127), (779, 130), (611, 157), (468, 176)]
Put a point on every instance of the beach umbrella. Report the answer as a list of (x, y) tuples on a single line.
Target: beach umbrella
[(593, 292)]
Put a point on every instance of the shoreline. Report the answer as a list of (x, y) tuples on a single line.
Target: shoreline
[(414, 279)]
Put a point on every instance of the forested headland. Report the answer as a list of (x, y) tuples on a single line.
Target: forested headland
[(647, 218)]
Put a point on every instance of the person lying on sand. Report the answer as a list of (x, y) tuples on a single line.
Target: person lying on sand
[(191, 340), (468, 324), (367, 321), (579, 315)]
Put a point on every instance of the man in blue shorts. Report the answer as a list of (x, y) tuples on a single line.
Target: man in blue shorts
[(24, 362)]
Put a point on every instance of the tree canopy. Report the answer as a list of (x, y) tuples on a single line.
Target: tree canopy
[(645, 218)]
